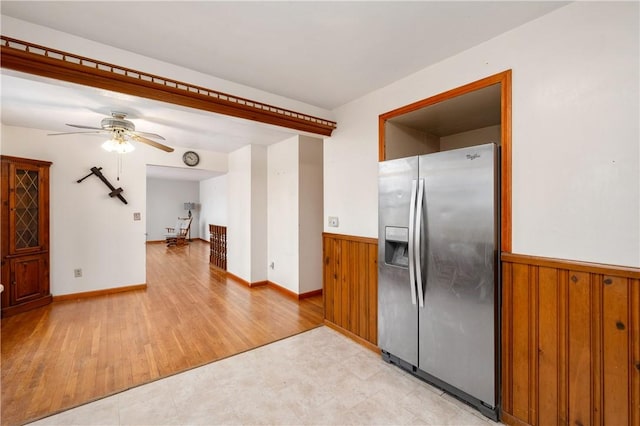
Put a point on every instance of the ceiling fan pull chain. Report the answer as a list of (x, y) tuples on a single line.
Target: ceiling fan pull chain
[(119, 166)]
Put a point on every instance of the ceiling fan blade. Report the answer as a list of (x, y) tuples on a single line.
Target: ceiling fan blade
[(95, 132), (79, 126), (151, 135), (150, 142)]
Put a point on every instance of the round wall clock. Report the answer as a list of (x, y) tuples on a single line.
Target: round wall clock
[(191, 158)]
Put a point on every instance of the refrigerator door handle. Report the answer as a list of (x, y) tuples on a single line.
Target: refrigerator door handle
[(412, 265), (416, 241)]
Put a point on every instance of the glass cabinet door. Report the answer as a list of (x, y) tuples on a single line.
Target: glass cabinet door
[(24, 197)]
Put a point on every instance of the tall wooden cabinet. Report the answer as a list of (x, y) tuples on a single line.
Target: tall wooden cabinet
[(25, 234)]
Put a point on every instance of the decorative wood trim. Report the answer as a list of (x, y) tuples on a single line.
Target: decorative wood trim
[(505, 161), (275, 286), (353, 336), (238, 279), (355, 238), (283, 290), (18, 309), (35, 59), (11, 159), (103, 292), (570, 342), (504, 79), (309, 294), (573, 265)]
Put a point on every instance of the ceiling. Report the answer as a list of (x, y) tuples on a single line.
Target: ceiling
[(473, 110), (321, 53)]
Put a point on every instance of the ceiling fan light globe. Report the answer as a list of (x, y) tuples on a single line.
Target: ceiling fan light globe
[(119, 146)]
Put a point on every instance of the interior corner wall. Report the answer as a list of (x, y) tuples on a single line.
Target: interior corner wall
[(239, 219), (258, 213), (213, 201), (165, 204), (489, 134), (282, 214), (247, 213), (575, 132), (310, 214), (403, 141)]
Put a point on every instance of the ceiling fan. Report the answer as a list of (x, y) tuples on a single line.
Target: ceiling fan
[(121, 131)]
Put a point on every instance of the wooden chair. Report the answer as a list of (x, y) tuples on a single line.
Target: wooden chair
[(177, 235)]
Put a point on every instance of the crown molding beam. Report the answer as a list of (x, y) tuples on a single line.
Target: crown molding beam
[(30, 58)]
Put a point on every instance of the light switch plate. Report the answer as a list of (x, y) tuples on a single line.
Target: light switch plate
[(136, 216), (333, 221)]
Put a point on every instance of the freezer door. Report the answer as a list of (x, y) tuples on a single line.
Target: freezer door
[(457, 326), (397, 311)]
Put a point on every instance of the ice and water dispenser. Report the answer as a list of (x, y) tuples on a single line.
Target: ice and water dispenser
[(396, 246)]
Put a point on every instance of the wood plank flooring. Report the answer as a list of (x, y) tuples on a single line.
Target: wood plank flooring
[(75, 351)]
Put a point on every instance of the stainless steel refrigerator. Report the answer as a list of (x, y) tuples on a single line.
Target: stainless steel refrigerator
[(438, 280)]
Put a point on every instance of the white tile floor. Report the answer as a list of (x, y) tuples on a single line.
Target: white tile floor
[(315, 378)]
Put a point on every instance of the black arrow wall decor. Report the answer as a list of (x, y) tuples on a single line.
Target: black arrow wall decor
[(114, 192)]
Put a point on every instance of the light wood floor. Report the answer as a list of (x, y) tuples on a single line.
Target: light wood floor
[(75, 351)]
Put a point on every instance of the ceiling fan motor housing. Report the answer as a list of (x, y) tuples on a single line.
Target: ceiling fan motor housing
[(117, 124)]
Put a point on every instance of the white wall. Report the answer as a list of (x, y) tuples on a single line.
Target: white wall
[(165, 203), (310, 208), (239, 209), (295, 214), (90, 230), (576, 177), (404, 141), (490, 134), (282, 214), (258, 213), (213, 200), (247, 213)]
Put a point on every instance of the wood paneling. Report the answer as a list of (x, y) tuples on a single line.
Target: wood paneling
[(74, 351), (570, 335), (350, 285)]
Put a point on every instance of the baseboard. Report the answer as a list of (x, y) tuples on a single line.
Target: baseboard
[(508, 419), (102, 292), (238, 279), (353, 337), (308, 294), (277, 287), (156, 242)]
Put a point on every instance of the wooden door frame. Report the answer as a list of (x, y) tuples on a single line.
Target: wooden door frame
[(504, 79)]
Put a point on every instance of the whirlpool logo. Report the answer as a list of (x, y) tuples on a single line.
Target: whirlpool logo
[(473, 156)]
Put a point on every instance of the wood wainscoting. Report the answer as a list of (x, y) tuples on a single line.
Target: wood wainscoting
[(350, 286), (570, 343)]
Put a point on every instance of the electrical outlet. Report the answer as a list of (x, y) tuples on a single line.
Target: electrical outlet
[(333, 221), (136, 216), (77, 273)]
